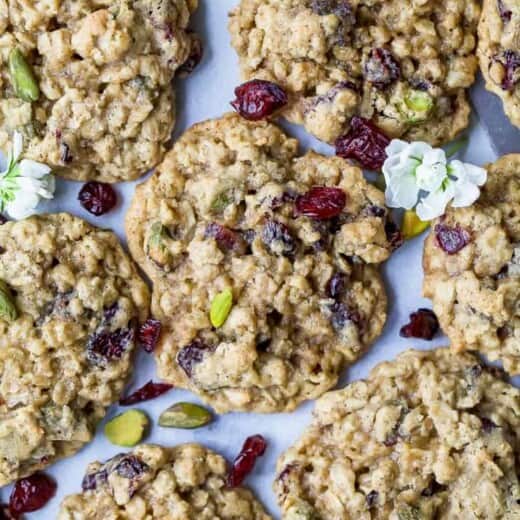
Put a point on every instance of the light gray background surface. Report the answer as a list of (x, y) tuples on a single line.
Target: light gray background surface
[(204, 95)]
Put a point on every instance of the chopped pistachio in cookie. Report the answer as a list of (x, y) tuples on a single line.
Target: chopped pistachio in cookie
[(430, 436), (88, 82), (70, 301), (472, 268), (265, 265), (499, 53), (406, 64), (187, 482)]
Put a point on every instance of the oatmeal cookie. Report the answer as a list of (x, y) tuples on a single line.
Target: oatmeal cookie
[(102, 74), (187, 482), (406, 64), (431, 435), (70, 299), (472, 269), (499, 53), (297, 241)]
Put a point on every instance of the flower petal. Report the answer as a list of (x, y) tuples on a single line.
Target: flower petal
[(4, 163), (17, 146), (434, 205), (403, 194), (469, 172), (22, 207), (33, 169), (466, 194)]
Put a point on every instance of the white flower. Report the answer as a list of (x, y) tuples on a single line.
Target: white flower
[(23, 183), (420, 176)]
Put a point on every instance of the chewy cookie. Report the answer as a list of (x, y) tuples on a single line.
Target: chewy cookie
[(70, 301), (431, 435), (102, 74), (472, 269), (406, 64), (298, 242), (187, 482), (499, 53)]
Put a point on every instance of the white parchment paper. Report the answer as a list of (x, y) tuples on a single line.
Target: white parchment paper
[(204, 95)]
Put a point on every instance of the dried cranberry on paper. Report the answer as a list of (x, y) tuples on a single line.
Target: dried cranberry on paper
[(365, 143), (97, 198), (149, 391), (258, 99), (253, 448), (423, 325), (31, 493)]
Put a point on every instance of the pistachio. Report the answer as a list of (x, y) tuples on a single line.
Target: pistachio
[(186, 416), (221, 307), (417, 106), (407, 512), (157, 235), (156, 246), (127, 429), (412, 225), (22, 77), (301, 511), (221, 202), (8, 311)]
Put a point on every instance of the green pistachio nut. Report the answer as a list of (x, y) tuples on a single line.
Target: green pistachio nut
[(22, 77), (221, 307), (8, 311), (407, 512), (156, 246), (417, 106), (221, 202), (412, 225), (185, 416), (127, 429)]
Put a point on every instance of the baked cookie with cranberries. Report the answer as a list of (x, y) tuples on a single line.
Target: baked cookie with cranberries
[(472, 268), (187, 482), (265, 264), (429, 435), (499, 53), (88, 83), (404, 64), (70, 303)]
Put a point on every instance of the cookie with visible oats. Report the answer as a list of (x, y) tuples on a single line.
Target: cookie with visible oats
[(472, 269), (70, 301), (499, 53), (430, 435), (101, 106), (265, 265), (187, 482), (404, 64)]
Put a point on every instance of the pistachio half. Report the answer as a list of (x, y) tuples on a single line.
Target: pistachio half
[(416, 106), (22, 77), (221, 202), (412, 225), (127, 429), (8, 311), (186, 416), (221, 307)]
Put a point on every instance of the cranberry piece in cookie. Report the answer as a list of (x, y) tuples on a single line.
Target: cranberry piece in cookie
[(258, 99), (321, 202)]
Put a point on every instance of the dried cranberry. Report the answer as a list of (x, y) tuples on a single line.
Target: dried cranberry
[(284, 198), (278, 238), (253, 448), (511, 61), (341, 8), (107, 346), (131, 467), (423, 325), (31, 493), (149, 391), (108, 313), (191, 355), (5, 513), (393, 235), (341, 315), (65, 155), (487, 425), (505, 13), (227, 239), (375, 211), (97, 198), (321, 203), (148, 334), (336, 285), (195, 57), (451, 239), (382, 68), (392, 439), (92, 480), (371, 499), (258, 99), (365, 143)]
